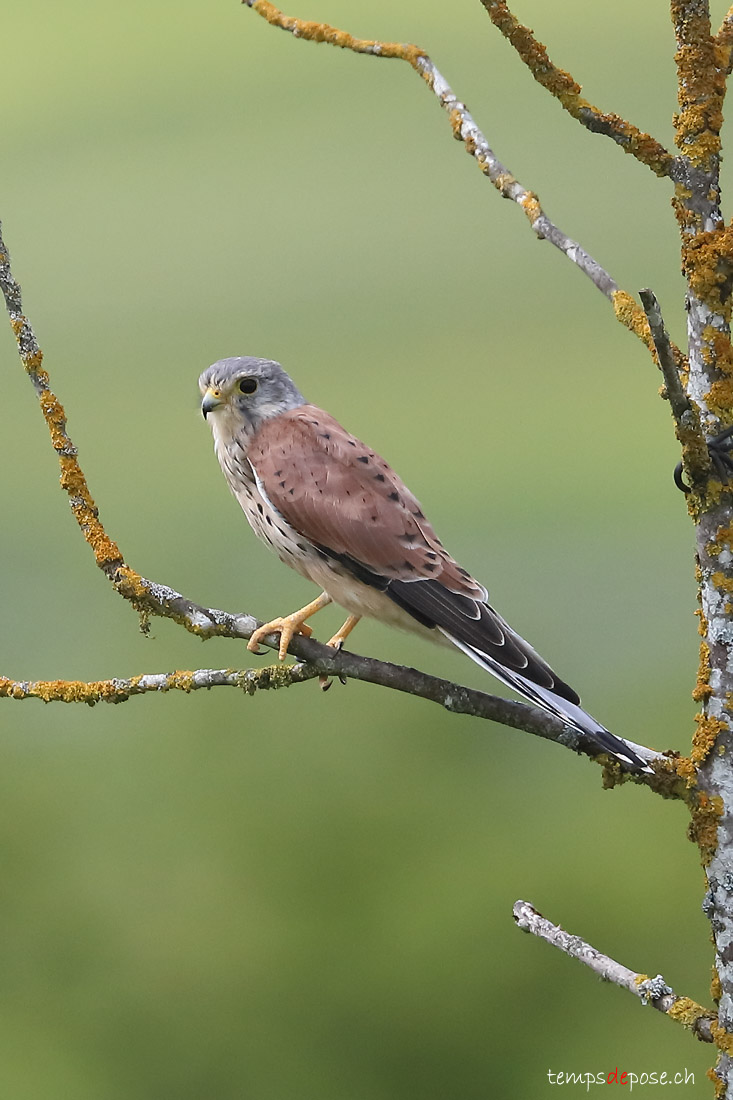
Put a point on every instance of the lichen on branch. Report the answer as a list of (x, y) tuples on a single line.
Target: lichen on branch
[(566, 90), (476, 144)]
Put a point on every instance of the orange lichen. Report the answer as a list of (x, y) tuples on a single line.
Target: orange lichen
[(707, 731), (707, 260), (701, 85), (723, 1039), (271, 677), (566, 90), (32, 359), (723, 541), (702, 690), (322, 32), (720, 1086), (673, 778), (73, 482), (719, 398), (717, 354), (706, 812), (722, 582), (724, 44), (630, 314), (66, 691), (686, 770), (689, 1013), (530, 204)]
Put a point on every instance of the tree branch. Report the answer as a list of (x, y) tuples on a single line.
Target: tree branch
[(678, 400), (653, 991), (566, 90), (119, 690), (701, 85), (724, 44), (695, 455), (465, 130), (315, 659), (708, 268)]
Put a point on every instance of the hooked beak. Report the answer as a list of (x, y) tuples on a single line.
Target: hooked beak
[(212, 400)]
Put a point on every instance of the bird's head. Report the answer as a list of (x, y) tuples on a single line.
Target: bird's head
[(244, 392)]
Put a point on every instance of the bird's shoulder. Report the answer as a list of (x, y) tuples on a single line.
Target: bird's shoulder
[(344, 497), (308, 450)]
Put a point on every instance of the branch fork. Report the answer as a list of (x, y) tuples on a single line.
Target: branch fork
[(650, 991)]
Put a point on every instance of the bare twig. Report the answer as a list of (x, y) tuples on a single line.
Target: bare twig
[(724, 44), (678, 400), (465, 130), (695, 456), (567, 91), (653, 991)]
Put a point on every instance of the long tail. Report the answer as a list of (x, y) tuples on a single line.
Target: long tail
[(478, 630), (564, 709)]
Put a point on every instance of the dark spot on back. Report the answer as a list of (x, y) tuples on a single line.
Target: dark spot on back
[(379, 477), (363, 458), (394, 495), (429, 568), (419, 513), (260, 509), (326, 435)]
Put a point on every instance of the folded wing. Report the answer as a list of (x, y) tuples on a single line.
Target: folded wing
[(347, 501)]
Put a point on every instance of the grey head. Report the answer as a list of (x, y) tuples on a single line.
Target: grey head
[(253, 389)]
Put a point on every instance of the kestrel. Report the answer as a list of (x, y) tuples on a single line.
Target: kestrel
[(333, 510)]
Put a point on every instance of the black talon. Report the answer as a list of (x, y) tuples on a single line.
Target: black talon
[(719, 449), (678, 479)]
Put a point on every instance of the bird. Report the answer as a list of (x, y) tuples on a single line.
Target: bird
[(333, 510)]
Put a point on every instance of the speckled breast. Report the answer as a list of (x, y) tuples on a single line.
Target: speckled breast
[(266, 522)]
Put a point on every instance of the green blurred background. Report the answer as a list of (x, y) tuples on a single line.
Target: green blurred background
[(302, 896)]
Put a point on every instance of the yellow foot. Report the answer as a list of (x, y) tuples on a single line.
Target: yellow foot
[(337, 642), (287, 626)]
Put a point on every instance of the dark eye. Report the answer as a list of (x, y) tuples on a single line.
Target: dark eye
[(248, 385)]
